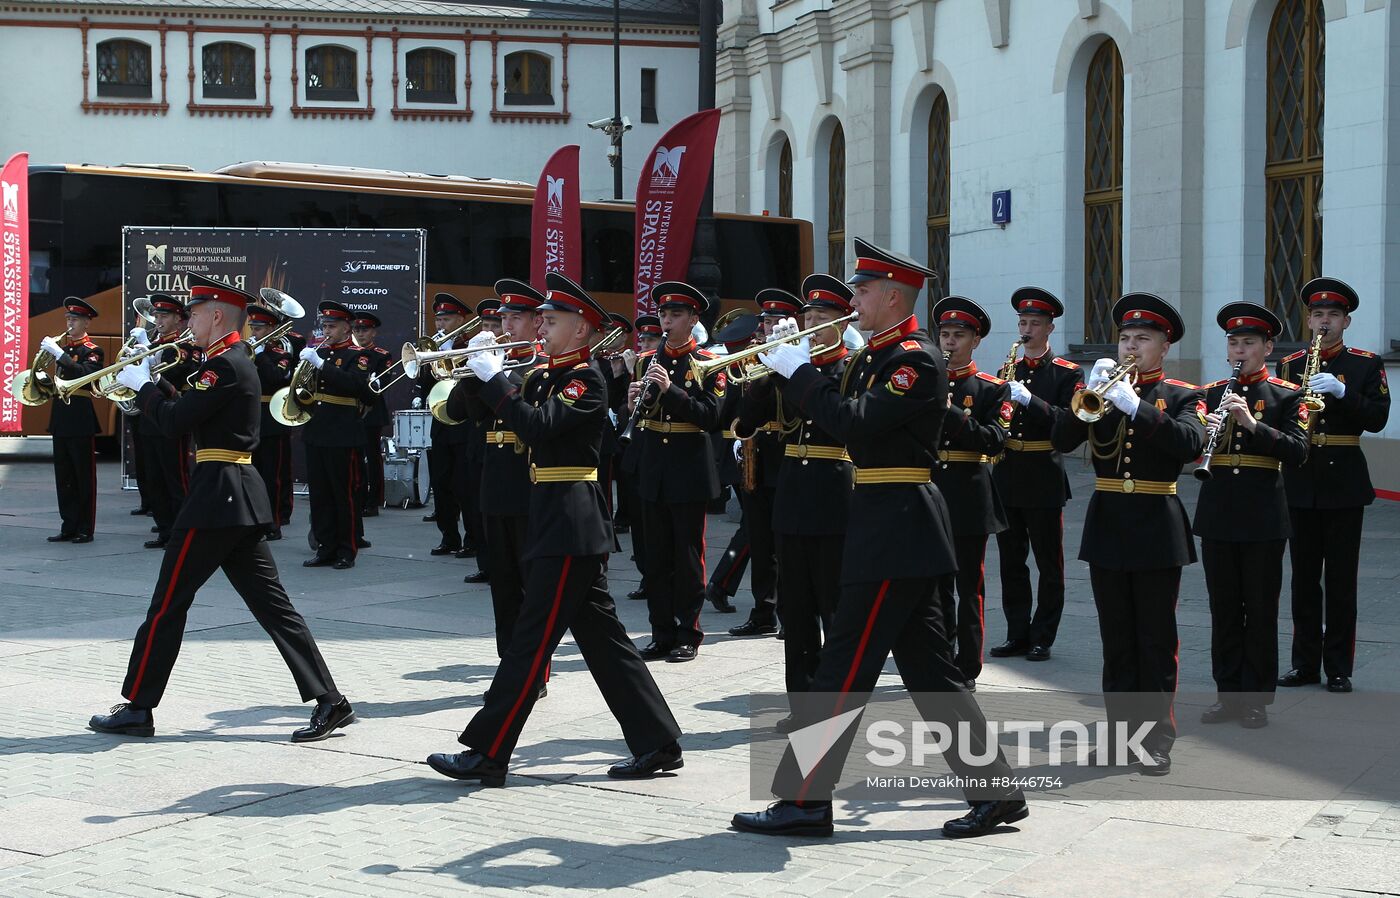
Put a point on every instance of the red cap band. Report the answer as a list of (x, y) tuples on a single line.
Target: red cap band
[(219, 294), (681, 298), (893, 272), (1325, 296), (956, 317), (1259, 323), (1139, 317), (78, 310), (516, 299), (335, 313), (576, 305), (1036, 305)]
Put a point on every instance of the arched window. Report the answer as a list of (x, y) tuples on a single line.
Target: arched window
[(331, 74), (123, 69), (785, 179), (1103, 192), (528, 81), (836, 203), (1293, 172), (938, 175), (228, 71), (432, 76)]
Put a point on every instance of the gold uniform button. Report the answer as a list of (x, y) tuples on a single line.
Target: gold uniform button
[(1128, 445)]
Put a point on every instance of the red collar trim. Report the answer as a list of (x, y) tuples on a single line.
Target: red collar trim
[(685, 348), (222, 345), (78, 341), (898, 332), (1330, 354), (522, 352), (837, 353), (334, 346), (369, 345), (1257, 376), (964, 372), (1042, 359), (570, 358), (167, 338), (1150, 377)]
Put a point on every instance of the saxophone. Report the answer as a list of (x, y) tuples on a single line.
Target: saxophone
[(1312, 400), (1008, 370)]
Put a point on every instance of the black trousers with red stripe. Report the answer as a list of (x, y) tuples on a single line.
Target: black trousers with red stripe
[(75, 479), (570, 593), (505, 535), (372, 475), (808, 593), (167, 473), (1325, 550), (190, 560), (1244, 581), (675, 571), (963, 595), (1137, 623), (1040, 531), (454, 494), (273, 459), (729, 570), (872, 620), (332, 478)]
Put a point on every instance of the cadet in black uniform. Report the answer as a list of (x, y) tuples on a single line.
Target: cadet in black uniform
[(887, 408), (489, 311), (221, 526), (729, 571), (167, 460), (617, 380), (559, 415), (1137, 536), (974, 430), (1031, 482), (364, 327), (74, 426), (273, 457), (448, 456), (676, 473), (335, 438), (1242, 514), (1328, 495), (649, 336)]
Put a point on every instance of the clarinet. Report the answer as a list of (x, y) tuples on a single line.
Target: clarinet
[(1203, 472), (650, 394)]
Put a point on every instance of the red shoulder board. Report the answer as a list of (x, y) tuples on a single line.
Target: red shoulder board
[(988, 376), (646, 353), (910, 344), (704, 353), (1297, 355), (1361, 352), (381, 350), (1217, 383), (1179, 383), (91, 345), (1280, 382), (579, 365), (1066, 363)]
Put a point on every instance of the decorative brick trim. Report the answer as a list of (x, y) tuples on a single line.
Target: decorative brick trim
[(115, 107), (334, 112), (233, 110), (427, 113)]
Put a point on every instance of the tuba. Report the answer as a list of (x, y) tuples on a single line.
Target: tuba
[(284, 307)]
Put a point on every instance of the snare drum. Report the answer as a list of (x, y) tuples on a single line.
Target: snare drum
[(412, 428)]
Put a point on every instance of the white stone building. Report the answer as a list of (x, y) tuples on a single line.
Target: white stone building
[(486, 89)]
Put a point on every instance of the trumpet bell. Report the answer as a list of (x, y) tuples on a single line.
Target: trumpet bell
[(437, 401), (285, 409), (281, 303), (144, 310), (1087, 406), (108, 386)]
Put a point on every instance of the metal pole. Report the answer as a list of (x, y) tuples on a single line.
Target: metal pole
[(617, 100), (704, 273)]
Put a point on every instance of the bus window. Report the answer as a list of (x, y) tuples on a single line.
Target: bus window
[(608, 252), (754, 255), (261, 206)]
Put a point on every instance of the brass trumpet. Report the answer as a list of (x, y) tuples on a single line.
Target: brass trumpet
[(103, 383), (445, 364), (750, 368), (422, 344), (1088, 404)]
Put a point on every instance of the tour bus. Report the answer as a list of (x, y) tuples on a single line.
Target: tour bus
[(478, 230)]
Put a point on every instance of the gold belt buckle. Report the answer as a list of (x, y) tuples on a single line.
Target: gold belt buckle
[(1129, 486), (802, 451), (533, 475), (1234, 460), (500, 438)]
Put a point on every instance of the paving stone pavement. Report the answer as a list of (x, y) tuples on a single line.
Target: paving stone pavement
[(221, 804)]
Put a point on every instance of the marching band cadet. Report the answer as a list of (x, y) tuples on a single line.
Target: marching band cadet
[(220, 527), (364, 327), (1260, 427), (1328, 495), (1031, 482), (676, 473), (489, 311), (448, 456), (74, 427), (273, 457), (335, 438), (1136, 536), (887, 409), (167, 460), (734, 561), (558, 414), (974, 430), (617, 380), (649, 336)]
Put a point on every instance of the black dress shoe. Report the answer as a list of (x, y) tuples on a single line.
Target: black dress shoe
[(1221, 712), (273, 535), (443, 549), (1334, 684), (984, 817), (682, 653), (82, 538), (621, 528), (124, 720), (370, 512), (719, 600), (155, 528), (970, 685), (787, 818), (665, 758), (139, 510), (326, 719), (477, 577), (1161, 764), (637, 595), (431, 516), (318, 561), (362, 543), (781, 634), (465, 552), (470, 765), (60, 537), (1296, 677), (753, 627), (542, 692), (654, 651), (1038, 653), (1008, 649), (156, 543), (1254, 718), (342, 564)]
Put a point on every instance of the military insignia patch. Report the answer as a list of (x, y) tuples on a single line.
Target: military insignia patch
[(1385, 386), (1201, 410), (1161, 405), (720, 381), (909, 344), (1303, 414), (967, 402), (1007, 410), (338, 362), (363, 362), (902, 380), (207, 380), (571, 393), (284, 363)]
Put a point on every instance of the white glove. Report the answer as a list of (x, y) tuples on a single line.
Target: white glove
[(785, 328), (612, 417), (50, 345), (417, 402), (483, 338), (261, 347), (1100, 372), (1327, 383), (139, 337), (738, 450), (786, 358), (134, 377), (629, 359), (1125, 397), (1020, 394), (310, 355), (487, 364)]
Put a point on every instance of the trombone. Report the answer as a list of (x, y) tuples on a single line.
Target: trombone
[(1088, 404), (422, 344), (750, 368), (284, 307)]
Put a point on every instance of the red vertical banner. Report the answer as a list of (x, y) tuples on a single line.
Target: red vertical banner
[(669, 191), (14, 282), (556, 234)]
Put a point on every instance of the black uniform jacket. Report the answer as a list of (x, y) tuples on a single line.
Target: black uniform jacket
[(184, 361), (1243, 503), (975, 424), (675, 466), (441, 434), (1336, 476), (813, 493), (888, 410), (221, 410), (379, 359), (1033, 476), (763, 436), (505, 470), (1140, 531), (76, 418), (344, 376), (274, 372), (617, 401), (559, 414)]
